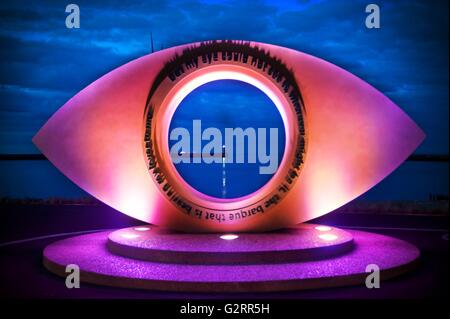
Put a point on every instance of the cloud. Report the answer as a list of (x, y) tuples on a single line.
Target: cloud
[(407, 59)]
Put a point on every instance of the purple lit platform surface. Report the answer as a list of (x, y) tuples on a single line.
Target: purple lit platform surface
[(303, 242), (100, 266)]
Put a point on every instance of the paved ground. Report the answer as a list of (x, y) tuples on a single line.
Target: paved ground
[(26, 230)]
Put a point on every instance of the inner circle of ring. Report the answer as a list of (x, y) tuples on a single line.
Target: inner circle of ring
[(165, 109)]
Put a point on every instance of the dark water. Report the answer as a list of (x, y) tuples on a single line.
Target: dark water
[(40, 179)]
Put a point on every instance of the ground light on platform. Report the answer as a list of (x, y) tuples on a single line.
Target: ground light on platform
[(229, 236), (322, 228), (328, 237)]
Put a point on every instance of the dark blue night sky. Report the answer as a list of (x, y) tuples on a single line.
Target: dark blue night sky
[(43, 63)]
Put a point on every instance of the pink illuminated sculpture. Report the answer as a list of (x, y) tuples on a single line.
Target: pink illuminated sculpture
[(342, 137)]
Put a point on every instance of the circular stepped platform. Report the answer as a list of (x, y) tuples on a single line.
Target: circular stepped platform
[(98, 265), (304, 242)]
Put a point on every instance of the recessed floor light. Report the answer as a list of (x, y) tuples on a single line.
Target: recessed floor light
[(229, 236), (328, 237)]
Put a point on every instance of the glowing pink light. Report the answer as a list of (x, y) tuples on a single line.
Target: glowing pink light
[(328, 237), (129, 236), (229, 237), (322, 228), (141, 228)]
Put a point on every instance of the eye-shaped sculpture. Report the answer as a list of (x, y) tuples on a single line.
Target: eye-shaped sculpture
[(342, 137)]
